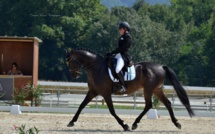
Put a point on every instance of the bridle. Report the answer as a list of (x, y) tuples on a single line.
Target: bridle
[(71, 58), (80, 66)]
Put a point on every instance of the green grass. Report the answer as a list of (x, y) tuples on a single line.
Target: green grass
[(124, 107), (116, 107)]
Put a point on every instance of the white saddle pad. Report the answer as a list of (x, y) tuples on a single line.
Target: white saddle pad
[(129, 76)]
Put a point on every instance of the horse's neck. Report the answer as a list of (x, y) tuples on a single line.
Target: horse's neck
[(87, 59)]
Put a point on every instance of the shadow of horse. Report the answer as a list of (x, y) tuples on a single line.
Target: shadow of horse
[(110, 131), (83, 131)]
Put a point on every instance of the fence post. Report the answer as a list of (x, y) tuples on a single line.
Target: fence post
[(211, 101), (96, 102), (51, 102), (173, 101), (58, 96), (135, 102)]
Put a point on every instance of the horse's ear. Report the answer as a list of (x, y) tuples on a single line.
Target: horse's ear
[(67, 52)]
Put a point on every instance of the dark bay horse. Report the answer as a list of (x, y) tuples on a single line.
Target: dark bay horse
[(149, 77)]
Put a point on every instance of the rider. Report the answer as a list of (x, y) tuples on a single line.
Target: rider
[(122, 52)]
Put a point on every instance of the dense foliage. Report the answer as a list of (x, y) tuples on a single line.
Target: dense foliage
[(130, 3), (180, 34)]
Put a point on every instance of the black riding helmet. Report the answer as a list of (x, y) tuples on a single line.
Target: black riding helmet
[(124, 25)]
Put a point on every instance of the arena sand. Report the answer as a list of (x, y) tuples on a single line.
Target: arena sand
[(103, 124)]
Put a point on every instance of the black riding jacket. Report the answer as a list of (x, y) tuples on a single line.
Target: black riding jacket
[(124, 44)]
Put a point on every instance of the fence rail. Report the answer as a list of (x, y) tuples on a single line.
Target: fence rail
[(201, 98), (70, 94), (84, 85)]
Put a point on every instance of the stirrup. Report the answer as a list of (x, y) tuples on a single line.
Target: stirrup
[(123, 89)]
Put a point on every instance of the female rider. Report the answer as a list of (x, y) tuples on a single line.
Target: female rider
[(122, 52)]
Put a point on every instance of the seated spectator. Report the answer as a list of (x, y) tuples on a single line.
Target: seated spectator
[(14, 70)]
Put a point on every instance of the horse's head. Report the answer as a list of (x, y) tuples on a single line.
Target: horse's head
[(73, 64)]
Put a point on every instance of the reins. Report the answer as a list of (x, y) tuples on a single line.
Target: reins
[(81, 66)]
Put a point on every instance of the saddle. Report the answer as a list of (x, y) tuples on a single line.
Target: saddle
[(128, 70)]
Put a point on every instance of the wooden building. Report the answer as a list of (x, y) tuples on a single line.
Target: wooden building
[(25, 52)]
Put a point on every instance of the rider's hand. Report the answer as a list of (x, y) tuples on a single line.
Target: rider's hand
[(108, 54)]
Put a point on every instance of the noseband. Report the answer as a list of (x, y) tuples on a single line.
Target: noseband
[(81, 66), (77, 70)]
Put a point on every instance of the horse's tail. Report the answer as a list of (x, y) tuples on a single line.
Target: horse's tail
[(170, 74)]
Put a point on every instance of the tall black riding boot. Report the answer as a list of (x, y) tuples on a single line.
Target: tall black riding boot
[(121, 81)]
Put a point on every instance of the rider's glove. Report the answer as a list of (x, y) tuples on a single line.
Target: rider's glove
[(108, 54)]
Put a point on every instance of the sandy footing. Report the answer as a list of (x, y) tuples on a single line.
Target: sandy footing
[(103, 123)]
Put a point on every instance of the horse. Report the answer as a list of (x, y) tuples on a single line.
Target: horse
[(149, 77)]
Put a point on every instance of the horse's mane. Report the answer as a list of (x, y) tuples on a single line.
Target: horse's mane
[(89, 50)]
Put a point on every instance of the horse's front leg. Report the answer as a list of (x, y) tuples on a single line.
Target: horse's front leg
[(109, 102), (90, 95)]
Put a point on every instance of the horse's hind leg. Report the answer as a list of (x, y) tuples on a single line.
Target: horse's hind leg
[(90, 95), (109, 102), (159, 93), (148, 105)]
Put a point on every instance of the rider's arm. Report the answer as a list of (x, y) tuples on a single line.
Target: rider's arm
[(123, 45)]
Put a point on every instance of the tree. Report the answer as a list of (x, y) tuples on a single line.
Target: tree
[(180, 34), (60, 24), (209, 52)]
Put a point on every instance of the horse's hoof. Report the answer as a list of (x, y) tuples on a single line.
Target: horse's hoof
[(70, 124), (178, 125), (134, 126), (126, 127)]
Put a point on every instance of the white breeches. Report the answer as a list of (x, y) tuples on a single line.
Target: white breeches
[(120, 63)]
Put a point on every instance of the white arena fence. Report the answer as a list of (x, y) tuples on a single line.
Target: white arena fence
[(201, 97), (69, 95)]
